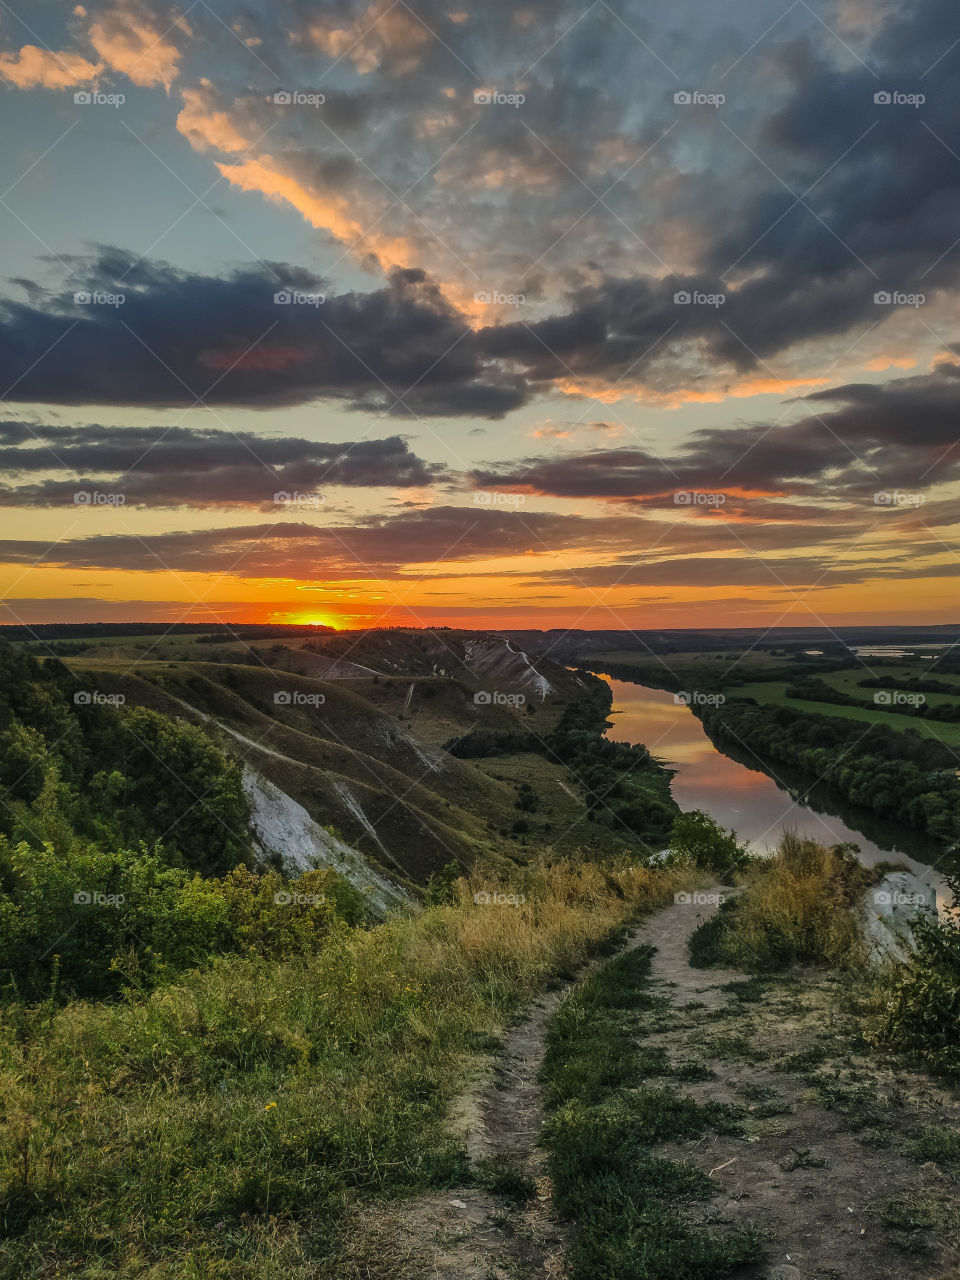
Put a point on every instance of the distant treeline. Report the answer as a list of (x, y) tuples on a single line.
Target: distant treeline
[(91, 630), (810, 689)]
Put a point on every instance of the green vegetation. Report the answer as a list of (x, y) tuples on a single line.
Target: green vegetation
[(627, 1204), (918, 1004), (221, 1125), (626, 789), (796, 910), (898, 775), (697, 841), (87, 922), (76, 771)]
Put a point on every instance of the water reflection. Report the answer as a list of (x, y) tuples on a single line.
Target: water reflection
[(738, 795)]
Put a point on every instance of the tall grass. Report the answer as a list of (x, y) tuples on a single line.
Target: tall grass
[(796, 909), (220, 1126)]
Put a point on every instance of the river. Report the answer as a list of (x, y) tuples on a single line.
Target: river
[(749, 801)]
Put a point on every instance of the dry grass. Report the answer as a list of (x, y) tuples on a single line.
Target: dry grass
[(796, 909), (223, 1126)]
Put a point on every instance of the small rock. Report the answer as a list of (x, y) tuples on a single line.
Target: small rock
[(458, 1204)]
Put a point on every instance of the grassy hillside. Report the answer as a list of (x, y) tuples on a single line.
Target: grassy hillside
[(363, 747), (223, 1126)]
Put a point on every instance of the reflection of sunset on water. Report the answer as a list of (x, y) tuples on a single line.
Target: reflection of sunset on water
[(747, 800)]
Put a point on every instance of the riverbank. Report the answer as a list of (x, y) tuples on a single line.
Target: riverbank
[(732, 787)]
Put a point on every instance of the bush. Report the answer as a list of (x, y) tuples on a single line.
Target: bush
[(89, 922), (921, 1013), (697, 841), (796, 911)]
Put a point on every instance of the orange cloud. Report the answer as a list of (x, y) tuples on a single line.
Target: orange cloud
[(34, 68), (600, 390), (205, 127), (132, 44), (330, 211), (383, 31)]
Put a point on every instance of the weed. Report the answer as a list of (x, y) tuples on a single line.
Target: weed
[(936, 1143)]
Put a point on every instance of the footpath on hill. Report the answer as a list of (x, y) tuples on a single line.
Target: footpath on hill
[(831, 1162)]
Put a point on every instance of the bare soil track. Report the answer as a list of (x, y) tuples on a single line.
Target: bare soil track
[(830, 1167)]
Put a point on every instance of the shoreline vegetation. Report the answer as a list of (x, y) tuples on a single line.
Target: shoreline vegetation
[(896, 774)]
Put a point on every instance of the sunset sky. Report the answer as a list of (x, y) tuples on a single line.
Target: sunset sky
[(516, 313)]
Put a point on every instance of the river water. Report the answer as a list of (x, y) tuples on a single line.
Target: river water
[(757, 806)]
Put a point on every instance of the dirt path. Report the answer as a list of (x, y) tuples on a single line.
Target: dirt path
[(475, 1234), (840, 1164), (829, 1165)]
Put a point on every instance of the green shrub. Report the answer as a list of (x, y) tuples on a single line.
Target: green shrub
[(796, 910), (920, 1008), (90, 922), (697, 840)]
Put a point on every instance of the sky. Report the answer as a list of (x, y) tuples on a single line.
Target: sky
[(526, 314)]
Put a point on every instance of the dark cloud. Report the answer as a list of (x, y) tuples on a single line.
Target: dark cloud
[(903, 434), (363, 549), (191, 467), (180, 338), (634, 550)]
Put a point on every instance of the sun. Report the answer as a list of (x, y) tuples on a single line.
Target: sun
[(313, 620)]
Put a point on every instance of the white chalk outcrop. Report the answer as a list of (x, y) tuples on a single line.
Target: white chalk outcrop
[(890, 909), (279, 824)]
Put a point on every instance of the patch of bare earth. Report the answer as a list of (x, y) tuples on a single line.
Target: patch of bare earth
[(828, 1167), (822, 1167)]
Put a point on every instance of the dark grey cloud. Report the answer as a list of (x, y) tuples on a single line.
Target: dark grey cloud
[(192, 467), (634, 549), (180, 338), (859, 439), (363, 549)]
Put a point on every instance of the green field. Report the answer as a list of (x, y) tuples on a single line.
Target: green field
[(774, 692)]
